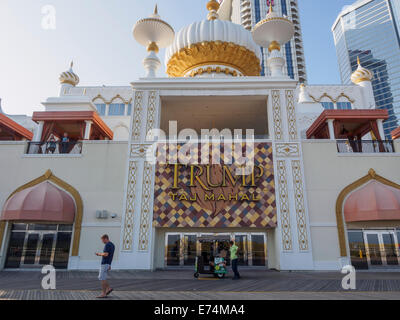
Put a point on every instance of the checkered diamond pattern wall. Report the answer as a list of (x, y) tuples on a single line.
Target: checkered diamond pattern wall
[(197, 212)]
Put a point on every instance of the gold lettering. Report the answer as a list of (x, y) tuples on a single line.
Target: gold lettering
[(209, 178), (193, 198), (221, 197), (244, 197), (183, 197), (209, 197), (233, 197), (255, 197), (173, 196), (176, 176), (197, 177), (225, 172)]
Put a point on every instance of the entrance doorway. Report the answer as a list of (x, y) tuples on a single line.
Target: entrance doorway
[(36, 245), (371, 249), (183, 248)]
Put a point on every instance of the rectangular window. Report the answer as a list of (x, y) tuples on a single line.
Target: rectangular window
[(129, 109), (328, 105), (344, 105), (101, 109), (116, 109)]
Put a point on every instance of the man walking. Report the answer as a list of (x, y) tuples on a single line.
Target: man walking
[(106, 260), (234, 260)]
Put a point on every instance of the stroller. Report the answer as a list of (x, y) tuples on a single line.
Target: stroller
[(216, 265)]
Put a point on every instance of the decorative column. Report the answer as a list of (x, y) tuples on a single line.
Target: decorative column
[(39, 132), (88, 129), (379, 122), (331, 129)]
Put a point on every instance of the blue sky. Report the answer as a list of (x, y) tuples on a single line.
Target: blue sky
[(97, 35)]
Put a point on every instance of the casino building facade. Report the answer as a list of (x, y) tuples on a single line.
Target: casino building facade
[(323, 190)]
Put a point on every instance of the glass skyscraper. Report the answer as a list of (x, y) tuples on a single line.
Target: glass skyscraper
[(249, 12), (369, 29)]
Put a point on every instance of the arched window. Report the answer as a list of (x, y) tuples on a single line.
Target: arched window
[(328, 105), (344, 105)]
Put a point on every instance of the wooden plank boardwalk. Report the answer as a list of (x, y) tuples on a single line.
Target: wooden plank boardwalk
[(180, 284)]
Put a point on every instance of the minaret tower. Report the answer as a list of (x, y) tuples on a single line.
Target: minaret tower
[(68, 79), (273, 32), (363, 78), (153, 33)]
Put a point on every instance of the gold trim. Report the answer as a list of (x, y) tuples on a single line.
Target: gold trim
[(48, 176), (118, 96), (372, 175), (72, 83), (214, 52), (217, 70), (274, 45), (153, 47), (361, 80), (325, 95)]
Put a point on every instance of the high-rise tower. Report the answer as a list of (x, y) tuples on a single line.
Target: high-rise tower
[(368, 30), (249, 12)]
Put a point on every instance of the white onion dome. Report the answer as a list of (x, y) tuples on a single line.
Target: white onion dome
[(213, 47), (361, 74), (69, 77), (153, 32), (273, 31)]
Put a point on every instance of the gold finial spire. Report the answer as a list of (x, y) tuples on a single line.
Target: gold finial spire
[(270, 6), (156, 9), (72, 64), (358, 60), (212, 7)]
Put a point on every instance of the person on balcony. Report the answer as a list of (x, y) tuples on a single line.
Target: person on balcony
[(51, 144), (64, 143)]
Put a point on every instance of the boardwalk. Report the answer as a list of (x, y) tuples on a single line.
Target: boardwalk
[(180, 284)]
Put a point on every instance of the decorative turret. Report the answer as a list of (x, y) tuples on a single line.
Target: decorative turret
[(272, 33), (363, 78), (213, 48), (153, 33), (361, 74), (69, 78)]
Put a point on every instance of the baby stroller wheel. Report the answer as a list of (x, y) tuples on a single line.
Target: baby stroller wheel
[(196, 275), (221, 275)]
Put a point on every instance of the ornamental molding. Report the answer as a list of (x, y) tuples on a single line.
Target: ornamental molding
[(139, 150), (284, 205), (118, 96), (214, 52), (151, 111), (299, 205), (127, 239), (325, 95), (137, 116), (277, 114), (291, 115), (146, 210), (287, 150)]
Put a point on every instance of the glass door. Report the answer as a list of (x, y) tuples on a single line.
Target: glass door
[(241, 242), (381, 248), (190, 249), (36, 245)]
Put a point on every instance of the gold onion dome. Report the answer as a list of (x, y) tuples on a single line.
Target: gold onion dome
[(361, 74), (69, 77), (213, 46)]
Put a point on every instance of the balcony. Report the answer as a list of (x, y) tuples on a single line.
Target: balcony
[(365, 146), (54, 148)]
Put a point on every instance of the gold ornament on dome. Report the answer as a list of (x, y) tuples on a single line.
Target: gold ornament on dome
[(216, 53)]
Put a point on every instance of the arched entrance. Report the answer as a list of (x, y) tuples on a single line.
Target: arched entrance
[(368, 212), (43, 216)]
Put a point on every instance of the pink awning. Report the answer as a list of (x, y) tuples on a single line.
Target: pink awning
[(43, 202), (374, 201)]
